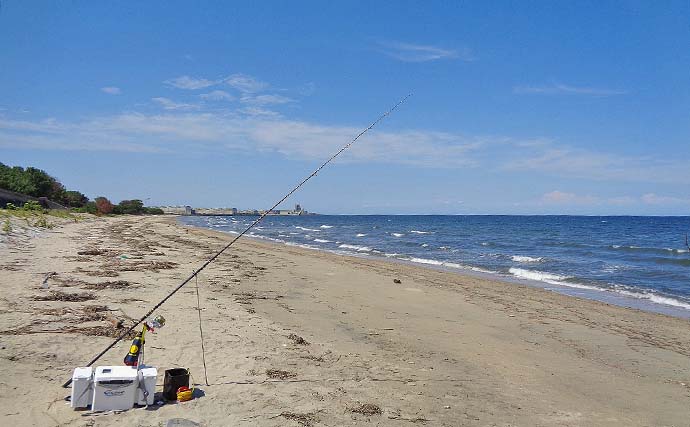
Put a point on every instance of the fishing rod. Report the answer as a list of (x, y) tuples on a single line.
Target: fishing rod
[(258, 220)]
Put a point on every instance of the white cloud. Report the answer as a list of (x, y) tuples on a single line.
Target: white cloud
[(258, 112), (111, 90), (654, 199), (255, 128), (560, 197), (564, 161), (562, 89), (169, 104), (252, 129), (409, 52), (190, 83), (265, 99), (245, 83), (217, 95)]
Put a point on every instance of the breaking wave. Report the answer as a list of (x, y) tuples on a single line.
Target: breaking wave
[(521, 258), (355, 247)]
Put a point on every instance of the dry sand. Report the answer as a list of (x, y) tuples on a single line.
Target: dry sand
[(437, 349)]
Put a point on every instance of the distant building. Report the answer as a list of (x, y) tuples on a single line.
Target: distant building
[(215, 211), (177, 210)]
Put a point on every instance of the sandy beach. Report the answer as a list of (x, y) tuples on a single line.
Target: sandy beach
[(299, 337)]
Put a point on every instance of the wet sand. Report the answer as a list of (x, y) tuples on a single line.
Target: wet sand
[(438, 349)]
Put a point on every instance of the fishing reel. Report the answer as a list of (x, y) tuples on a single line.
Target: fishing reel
[(136, 350), (155, 322)]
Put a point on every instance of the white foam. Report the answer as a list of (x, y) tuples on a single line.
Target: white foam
[(326, 226), (361, 234), (397, 234), (446, 264), (299, 245), (555, 279), (426, 261), (453, 265), (659, 299), (541, 276), (322, 240), (420, 232), (393, 255), (424, 245), (521, 258), (355, 247), (306, 229)]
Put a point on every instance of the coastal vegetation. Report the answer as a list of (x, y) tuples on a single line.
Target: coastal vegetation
[(37, 183)]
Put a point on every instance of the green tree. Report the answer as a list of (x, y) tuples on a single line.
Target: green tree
[(130, 207), (75, 199)]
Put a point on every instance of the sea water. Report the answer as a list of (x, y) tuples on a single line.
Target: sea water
[(639, 262)]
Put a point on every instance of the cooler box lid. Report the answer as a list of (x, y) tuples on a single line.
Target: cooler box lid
[(149, 372), (108, 373), (82, 374)]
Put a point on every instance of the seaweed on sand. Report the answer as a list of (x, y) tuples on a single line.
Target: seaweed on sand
[(279, 374), (307, 420), (63, 296)]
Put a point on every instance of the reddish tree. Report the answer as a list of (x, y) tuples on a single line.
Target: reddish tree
[(103, 206)]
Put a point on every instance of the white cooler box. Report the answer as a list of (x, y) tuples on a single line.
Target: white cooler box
[(114, 388), (147, 381), (82, 387)]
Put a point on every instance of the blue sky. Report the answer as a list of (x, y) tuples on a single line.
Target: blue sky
[(518, 108)]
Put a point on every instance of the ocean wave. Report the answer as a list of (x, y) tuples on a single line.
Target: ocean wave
[(326, 226), (299, 245), (541, 276), (397, 234), (420, 232), (426, 261), (322, 240), (633, 248), (393, 255), (424, 245), (659, 299), (306, 229), (361, 234), (685, 262), (522, 258), (447, 264), (355, 247), (555, 279)]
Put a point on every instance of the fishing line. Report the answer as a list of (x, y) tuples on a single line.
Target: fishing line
[(201, 331), (258, 220)]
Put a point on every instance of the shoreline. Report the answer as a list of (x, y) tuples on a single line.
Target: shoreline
[(438, 348), (591, 293)]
